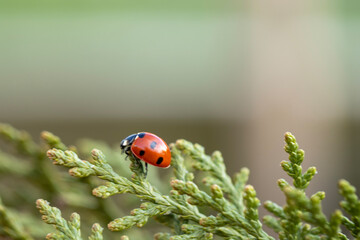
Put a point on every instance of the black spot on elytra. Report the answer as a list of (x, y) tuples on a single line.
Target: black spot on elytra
[(159, 161), (153, 145), (141, 135), (142, 152)]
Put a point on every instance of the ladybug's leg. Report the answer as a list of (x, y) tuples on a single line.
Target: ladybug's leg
[(128, 150), (146, 169)]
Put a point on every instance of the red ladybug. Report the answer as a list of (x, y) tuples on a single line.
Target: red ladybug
[(147, 147)]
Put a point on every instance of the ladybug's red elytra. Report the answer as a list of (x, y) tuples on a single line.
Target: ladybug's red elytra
[(147, 147)]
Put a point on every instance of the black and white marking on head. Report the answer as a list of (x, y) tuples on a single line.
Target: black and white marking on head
[(142, 152), (153, 144), (128, 140), (159, 161), (141, 135)]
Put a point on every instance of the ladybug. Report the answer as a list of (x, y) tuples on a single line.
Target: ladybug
[(147, 147)]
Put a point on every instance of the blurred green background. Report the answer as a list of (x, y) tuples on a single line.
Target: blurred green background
[(231, 75)]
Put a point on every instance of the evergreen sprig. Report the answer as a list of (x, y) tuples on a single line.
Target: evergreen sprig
[(21, 140), (30, 174), (293, 166), (10, 226), (214, 165), (216, 205), (181, 203), (302, 216), (67, 230), (351, 205), (11, 165), (115, 184)]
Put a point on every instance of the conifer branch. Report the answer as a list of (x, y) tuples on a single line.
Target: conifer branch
[(67, 230), (10, 226), (176, 203), (351, 205), (216, 206), (301, 216)]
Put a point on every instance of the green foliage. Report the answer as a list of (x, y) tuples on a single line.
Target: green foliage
[(10, 227), (215, 205), (27, 174), (302, 216), (66, 229), (351, 205), (183, 200)]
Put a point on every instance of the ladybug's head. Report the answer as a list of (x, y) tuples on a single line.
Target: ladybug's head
[(126, 142), (123, 144)]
